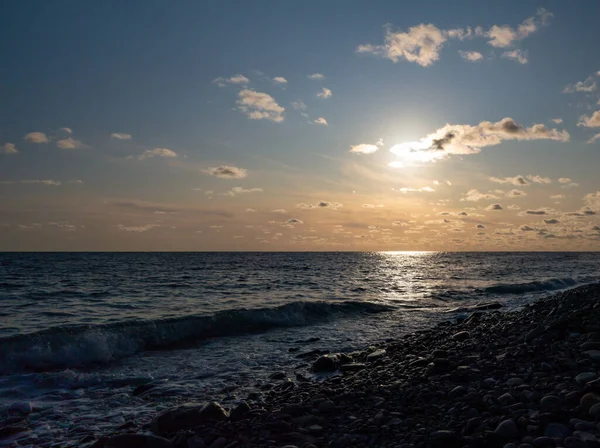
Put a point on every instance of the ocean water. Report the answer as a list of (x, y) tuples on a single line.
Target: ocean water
[(80, 331)]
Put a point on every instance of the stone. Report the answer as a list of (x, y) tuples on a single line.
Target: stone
[(572, 442), (134, 441), (593, 354), (327, 406), (240, 410), (588, 400), (187, 417), (584, 377), (376, 355), (556, 430), (326, 363), (195, 442), (543, 442), (461, 336), (506, 399), (515, 381), (595, 411), (507, 429), (220, 442), (352, 367), (550, 402), (458, 391)]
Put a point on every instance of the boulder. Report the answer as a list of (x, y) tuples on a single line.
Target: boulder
[(187, 417)]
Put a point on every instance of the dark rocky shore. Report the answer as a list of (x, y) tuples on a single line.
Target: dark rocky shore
[(495, 379)]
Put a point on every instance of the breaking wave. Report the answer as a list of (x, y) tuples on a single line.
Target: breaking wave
[(78, 346)]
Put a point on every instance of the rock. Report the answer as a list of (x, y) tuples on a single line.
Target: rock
[(327, 406), (543, 442), (352, 367), (585, 436), (588, 400), (461, 336), (134, 441), (376, 355), (195, 442), (315, 429), (220, 442), (506, 399), (595, 411), (594, 354), (326, 363), (507, 430), (515, 381), (584, 377), (550, 402), (458, 391), (556, 430), (187, 417), (277, 376), (572, 442), (21, 407), (239, 411)]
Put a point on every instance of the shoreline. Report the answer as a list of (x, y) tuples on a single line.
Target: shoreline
[(492, 379)]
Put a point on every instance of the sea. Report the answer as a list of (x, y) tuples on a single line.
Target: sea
[(81, 332)]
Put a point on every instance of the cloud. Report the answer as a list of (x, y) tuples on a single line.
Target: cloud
[(48, 182), (67, 130), (503, 36), (474, 195), (259, 106), (324, 93), (69, 143), (137, 229), (250, 210), (157, 152), (592, 200), (472, 56), (280, 80), (594, 138), (37, 137), (235, 79), (539, 179), (515, 193), (320, 204), (587, 85), (517, 180), (536, 212), (316, 76), (557, 196), (279, 210), (9, 148), (516, 55), (465, 139), (494, 207), (420, 44), (411, 190), (526, 229), (227, 172), (557, 120), (551, 221), (372, 206), (120, 136), (241, 190), (294, 221), (480, 226), (321, 121), (590, 122), (298, 105), (364, 148), (565, 180)]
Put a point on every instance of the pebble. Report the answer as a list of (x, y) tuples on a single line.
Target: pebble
[(550, 402), (584, 377), (507, 429), (589, 400), (514, 381)]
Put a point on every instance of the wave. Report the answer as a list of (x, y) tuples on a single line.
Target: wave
[(541, 285), (78, 346)]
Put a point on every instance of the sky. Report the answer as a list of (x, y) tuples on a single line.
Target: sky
[(299, 126)]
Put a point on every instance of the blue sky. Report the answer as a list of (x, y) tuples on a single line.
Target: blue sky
[(136, 108)]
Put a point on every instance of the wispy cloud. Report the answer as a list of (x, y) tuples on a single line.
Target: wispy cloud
[(235, 79), (69, 143), (467, 139), (280, 80), (316, 76), (157, 152), (517, 180), (587, 85), (321, 121), (472, 56), (9, 148), (516, 55), (260, 106), (138, 229), (37, 137), (227, 172), (364, 148), (502, 36), (320, 205), (120, 136), (324, 93)]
